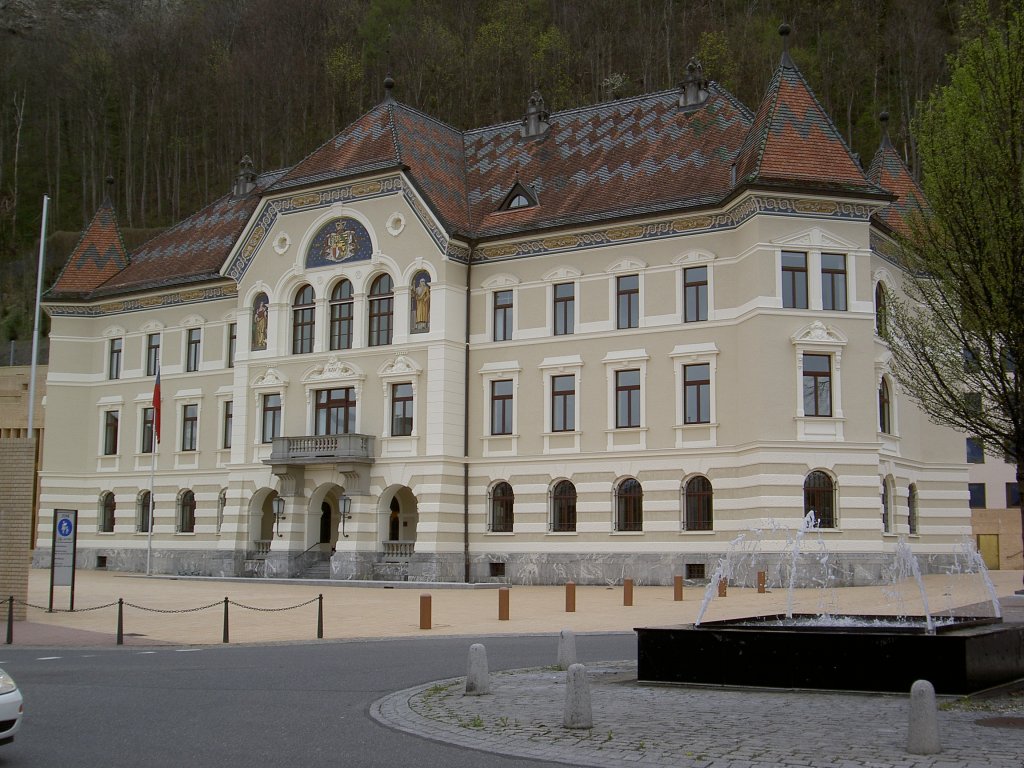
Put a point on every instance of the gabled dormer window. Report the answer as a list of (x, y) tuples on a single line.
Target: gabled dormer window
[(518, 197)]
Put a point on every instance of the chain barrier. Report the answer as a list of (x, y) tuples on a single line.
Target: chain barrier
[(120, 603)]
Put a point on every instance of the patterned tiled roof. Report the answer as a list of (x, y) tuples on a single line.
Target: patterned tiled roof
[(99, 255), (192, 250), (793, 141), (888, 171)]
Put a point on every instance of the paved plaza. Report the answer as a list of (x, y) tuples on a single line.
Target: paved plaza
[(633, 724)]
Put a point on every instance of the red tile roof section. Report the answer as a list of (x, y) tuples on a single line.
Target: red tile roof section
[(888, 171), (99, 255)]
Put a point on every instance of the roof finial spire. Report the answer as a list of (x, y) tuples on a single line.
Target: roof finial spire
[(787, 60), (883, 118), (109, 188), (389, 84)]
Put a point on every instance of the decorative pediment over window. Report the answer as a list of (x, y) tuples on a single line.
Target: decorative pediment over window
[(562, 274), (272, 378), (400, 366), (816, 239), (817, 333), (628, 265), (193, 321), (333, 370), (504, 280), (518, 197)]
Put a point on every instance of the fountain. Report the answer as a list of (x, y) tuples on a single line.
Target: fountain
[(831, 650)]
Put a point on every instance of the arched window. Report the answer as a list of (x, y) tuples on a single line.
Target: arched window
[(563, 507), (629, 506), (186, 512), (881, 310), (912, 509), (142, 512), (700, 514), (105, 524), (303, 320), (382, 310), (884, 408), (886, 506), (502, 502), (341, 316), (820, 498), (222, 501)]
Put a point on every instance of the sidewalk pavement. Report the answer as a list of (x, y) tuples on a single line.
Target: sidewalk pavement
[(634, 724)]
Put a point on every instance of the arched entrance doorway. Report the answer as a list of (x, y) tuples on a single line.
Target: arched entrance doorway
[(324, 517), (399, 517)]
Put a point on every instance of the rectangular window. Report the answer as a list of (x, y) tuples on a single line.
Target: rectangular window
[(833, 281), (627, 292), (152, 353), (114, 358), (794, 280), (563, 403), (817, 385), (271, 418), (627, 399), (695, 294), (1012, 495), (232, 343), (111, 420), (401, 410), (192, 349), (977, 492), (336, 411), (147, 430), (565, 309), (501, 407), (975, 451), (502, 315), (189, 427), (697, 394), (381, 312), (229, 417)]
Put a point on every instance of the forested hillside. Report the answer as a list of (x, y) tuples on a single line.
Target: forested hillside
[(166, 95)]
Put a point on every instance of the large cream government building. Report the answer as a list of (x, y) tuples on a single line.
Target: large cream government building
[(590, 344)]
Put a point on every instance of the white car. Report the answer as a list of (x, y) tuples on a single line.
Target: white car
[(11, 708)]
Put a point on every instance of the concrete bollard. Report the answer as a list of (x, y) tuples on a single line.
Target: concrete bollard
[(478, 679), (503, 604), (578, 712), (923, 730), (762, 579), (677, 589), (425, 611), (566, 649), (723, 587), (627, 591), (570, 597)]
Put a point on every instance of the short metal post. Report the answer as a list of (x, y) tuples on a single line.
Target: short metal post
[(10, 620), (225, 620), (503, 604), (627, 592), (761, 579), (677, 589), (722, 586), (425, 611), (320, 617), (570, 597), (120, 621)]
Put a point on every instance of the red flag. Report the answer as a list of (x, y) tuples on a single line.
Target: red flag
[(156, 405)]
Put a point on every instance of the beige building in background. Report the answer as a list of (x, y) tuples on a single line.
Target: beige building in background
[(587, 345)]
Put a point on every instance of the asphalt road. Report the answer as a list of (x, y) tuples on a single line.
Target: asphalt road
[(274, 705)]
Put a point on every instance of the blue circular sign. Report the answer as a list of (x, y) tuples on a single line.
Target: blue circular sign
[(64, 526)]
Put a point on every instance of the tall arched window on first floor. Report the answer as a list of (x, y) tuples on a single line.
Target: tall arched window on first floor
[(912, 509), (381, 311), (303, 320), (105, 524), (699, 501), (563, 507), (186, 522), (884, 408), (341, 315), (142, 512), (881, 310), (502, 513), (820, 498), (629, 506)]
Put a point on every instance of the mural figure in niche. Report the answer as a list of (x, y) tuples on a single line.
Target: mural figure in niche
[(260, 312), (421, 302), (338, 241)]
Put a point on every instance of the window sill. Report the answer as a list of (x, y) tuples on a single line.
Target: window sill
[(104, 533), (688, 532), (500, 533), (627, 533), (561, 533), (184, 533)]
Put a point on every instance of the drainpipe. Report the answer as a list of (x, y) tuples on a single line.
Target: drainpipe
[(465, 432)]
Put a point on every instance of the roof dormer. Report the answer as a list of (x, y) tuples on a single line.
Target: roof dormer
[(535, 123), (694, 88)]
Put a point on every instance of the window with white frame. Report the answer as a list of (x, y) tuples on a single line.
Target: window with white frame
[(502, 508), (695, 294), (189, 427), (111, 423), (564, 309), (819, 408), (107, 509), (193, 340), (563, 507), (271, 417), (142, 511), (401, 409), (502, 315), (833, 281), (114, 353), (186, 512), (629, 506), (563, 402)]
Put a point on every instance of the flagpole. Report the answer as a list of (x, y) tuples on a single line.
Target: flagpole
[(152, 468), (35, 327)]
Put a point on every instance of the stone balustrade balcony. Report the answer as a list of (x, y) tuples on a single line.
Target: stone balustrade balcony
[(322, 449)]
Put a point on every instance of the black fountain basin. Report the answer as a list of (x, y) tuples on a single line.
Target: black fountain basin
[(855, 653)]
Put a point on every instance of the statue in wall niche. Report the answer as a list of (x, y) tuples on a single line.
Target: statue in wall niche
[(260, 315), (421, 302)]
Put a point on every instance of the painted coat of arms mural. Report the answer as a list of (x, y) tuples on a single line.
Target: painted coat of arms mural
[(339, 241)]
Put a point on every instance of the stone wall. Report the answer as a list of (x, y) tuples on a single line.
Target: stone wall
[(17, 481)]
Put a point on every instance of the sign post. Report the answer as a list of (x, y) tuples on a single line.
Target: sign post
[(63, 552)]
